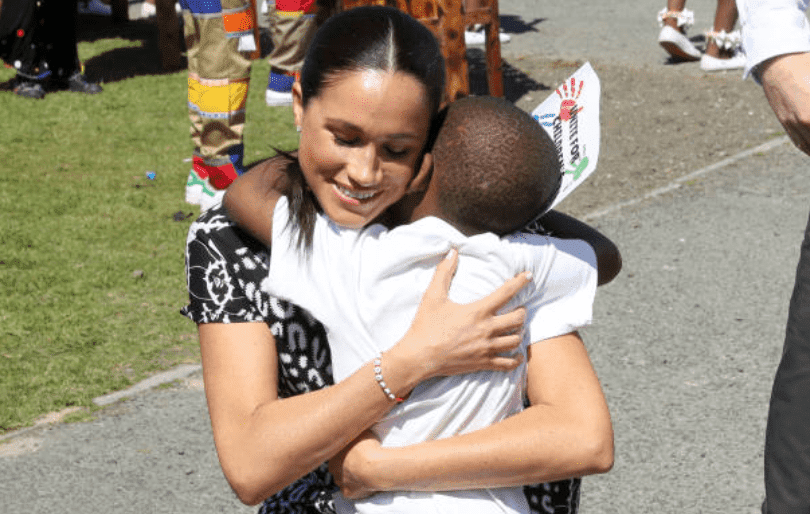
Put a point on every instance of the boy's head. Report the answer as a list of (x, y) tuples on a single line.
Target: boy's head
[(495, 168)]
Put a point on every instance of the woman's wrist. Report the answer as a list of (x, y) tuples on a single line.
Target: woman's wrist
[(401, 371)]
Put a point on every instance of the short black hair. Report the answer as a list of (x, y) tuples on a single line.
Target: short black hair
[(496, 168)]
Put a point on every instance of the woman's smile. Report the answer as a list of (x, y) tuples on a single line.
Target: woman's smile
[(361, 142), (354, 197)]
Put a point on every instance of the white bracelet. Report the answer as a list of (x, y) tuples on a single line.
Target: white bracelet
[(379, 377)]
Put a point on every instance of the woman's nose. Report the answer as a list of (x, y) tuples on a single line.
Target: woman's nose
[(364, 169)]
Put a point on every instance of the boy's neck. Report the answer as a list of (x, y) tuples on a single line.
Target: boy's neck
[(416, 206)]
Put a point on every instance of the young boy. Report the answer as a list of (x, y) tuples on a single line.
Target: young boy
[(495, 170)]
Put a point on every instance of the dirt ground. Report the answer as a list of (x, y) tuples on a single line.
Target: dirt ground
[(658, 123)]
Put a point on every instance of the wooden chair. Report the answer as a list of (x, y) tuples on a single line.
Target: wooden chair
[(448, 20)]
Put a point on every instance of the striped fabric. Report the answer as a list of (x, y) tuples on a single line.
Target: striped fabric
[(218, 83)]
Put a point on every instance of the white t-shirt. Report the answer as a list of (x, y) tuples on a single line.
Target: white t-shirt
[(365, 287)]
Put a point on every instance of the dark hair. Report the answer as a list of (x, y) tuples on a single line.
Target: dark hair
[(495, 167), (364, 38)]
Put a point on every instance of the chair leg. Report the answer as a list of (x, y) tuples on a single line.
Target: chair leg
[(168, 35), (455, 50), (494, 64)]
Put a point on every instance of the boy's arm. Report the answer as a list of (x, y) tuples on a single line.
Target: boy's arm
[(608, 258), (251, 198)]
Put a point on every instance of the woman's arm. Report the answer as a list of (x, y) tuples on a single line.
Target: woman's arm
[(608, 258), (264, 443), (565, 433)]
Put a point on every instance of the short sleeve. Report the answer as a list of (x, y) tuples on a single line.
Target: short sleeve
[(565, 280), (225, 269)]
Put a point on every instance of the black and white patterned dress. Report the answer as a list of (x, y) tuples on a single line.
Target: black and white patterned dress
[(226, 271)]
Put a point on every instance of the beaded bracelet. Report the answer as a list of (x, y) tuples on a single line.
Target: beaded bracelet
[(378, 375)]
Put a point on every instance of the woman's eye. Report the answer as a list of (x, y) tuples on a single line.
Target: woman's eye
[(396, 153), (346, 142)]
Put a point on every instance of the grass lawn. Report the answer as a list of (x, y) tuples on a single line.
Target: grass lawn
[(91, 250)]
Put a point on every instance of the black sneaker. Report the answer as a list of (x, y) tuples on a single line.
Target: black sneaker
[(76, 83), (29, 89)]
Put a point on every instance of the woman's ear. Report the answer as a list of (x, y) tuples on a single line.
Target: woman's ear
[(422, 178), (298, 104)]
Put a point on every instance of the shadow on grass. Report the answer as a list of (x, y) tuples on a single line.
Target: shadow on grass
[(126, 62)]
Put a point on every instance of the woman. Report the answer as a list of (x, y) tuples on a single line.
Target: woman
[(264, 442)]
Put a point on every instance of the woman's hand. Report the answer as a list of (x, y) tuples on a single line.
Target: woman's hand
[(349, 466), (450, 339), (566, 432)]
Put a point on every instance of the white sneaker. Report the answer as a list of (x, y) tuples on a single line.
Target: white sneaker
[(148, 10), (278, 98), (479, 37), (200, 192), (677, 44), (94, 7), (709, 63)]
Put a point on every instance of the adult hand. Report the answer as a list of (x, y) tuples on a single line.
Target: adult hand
[(349, 466), (451, 339), (786, 82)]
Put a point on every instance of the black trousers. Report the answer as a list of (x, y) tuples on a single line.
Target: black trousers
[(787, 440), (40, 38)]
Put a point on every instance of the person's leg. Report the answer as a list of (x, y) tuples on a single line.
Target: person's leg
[(674, 19), (675, 6), (787, 439), (59, 28), (724, 20), (218, 52), (22, 48), (723, 43), (293, 24)]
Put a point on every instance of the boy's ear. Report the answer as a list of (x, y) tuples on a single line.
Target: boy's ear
[(422, 178), (298, 103)]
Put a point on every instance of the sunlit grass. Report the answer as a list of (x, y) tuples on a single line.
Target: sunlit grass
[(91, 250)]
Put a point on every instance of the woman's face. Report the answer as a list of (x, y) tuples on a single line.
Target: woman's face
[(361, 141)]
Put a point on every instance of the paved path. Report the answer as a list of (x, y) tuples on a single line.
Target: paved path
[(686, 340)]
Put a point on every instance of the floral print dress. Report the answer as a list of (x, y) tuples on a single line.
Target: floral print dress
[(226, 271)]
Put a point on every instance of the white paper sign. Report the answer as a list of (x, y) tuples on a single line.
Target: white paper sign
[(571, 117)]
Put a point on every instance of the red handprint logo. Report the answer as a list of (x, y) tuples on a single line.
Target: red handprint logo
[(568, 107)]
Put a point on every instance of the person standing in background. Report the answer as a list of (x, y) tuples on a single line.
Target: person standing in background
[(776, 40), (220, 43), (723, 49), (38, 39), (292, 25)]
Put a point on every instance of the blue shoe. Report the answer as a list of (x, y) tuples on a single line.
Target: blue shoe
[(279, 89)]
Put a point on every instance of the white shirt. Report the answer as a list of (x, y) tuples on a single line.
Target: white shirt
[(365, 287), (771, 28)]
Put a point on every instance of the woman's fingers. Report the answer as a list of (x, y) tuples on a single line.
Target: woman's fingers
[(503, 294), (509, 322), (443, 276), (502, 363)]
